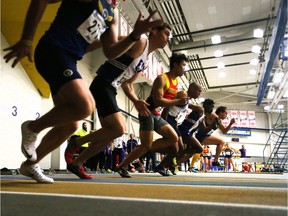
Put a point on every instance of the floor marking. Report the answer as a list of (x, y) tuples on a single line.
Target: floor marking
[(153, 200)]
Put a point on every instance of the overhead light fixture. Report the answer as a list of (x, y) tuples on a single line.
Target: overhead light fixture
[(267, 107), (218, 53), (271, 94), (286, 94), (278, 77), (216, 39), (220, 65), (222, 74), (256, 49), (254, 61), (280, 106), (252, 72), (258, 33)]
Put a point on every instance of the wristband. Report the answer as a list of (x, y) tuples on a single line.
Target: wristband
[(26, 43), (133, 38)]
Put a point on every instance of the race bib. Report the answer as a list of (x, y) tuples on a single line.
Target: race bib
[(93, 27), (127, 74)]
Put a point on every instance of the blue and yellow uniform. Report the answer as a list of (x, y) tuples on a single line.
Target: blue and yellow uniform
[(68, 38)]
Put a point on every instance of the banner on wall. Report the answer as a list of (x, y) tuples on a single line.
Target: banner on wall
[(252, 119), (226, 121), (234, 114), (239, 132), (243, 119), (154, 68)]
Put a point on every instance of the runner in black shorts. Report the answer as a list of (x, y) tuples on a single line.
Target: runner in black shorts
[(115, 73)]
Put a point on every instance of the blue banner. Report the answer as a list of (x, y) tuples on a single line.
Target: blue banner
[(239, 132)]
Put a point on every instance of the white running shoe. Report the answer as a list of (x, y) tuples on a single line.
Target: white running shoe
[(29, 138), (34, 172)]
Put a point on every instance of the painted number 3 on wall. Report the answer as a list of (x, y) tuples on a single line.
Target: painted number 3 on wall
[(15, 112)]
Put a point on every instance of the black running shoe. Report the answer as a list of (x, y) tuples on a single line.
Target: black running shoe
[(217, 164), (161, 170), (123, 172)]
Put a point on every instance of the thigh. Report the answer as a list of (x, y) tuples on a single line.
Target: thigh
[(212, 140), (105, 96), (55, 65), (167, 131), (146, 138), (113, 121)]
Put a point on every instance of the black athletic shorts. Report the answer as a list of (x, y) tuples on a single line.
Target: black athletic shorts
[(105, 97), (55, 65)]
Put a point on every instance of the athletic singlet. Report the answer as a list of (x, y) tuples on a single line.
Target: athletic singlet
[(75, 33), (170, 91), (116, 71), (228, 152), (179, 112)]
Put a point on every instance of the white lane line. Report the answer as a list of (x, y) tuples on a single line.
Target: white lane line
[(237, 205), (180, 185)]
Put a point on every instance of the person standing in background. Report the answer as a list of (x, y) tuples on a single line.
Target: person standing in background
[(243, 151), (131, 144), (117, 153)]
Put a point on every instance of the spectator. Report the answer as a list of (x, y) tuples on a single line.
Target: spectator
[(117, 153), (243, 152), (131, 143)]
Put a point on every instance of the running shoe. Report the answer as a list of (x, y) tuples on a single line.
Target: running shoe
[(161, 170), (34, 172), (122, 172), (29, 138), (79, 171), (192, 169), (71, 149), (216, 163), (108, 171)]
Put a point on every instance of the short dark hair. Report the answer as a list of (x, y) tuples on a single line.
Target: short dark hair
[(208, 102), (220, 109), (177, 58), (163, 26)]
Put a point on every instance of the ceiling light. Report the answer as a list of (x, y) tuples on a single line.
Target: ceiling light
[(271, 94), (256, 49), (258, 33), (218, 53), (278, 77), (252, 72), (286, 94), (222, 74), (267, 107), (254, 61), (220, 65), (280, 106), (216, 39)]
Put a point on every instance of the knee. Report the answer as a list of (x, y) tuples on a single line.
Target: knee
[(85, 107), (72, 127), (119, 130)]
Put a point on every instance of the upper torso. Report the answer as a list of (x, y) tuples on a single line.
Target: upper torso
[(78, 24), (116, 71), (170, 91)]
